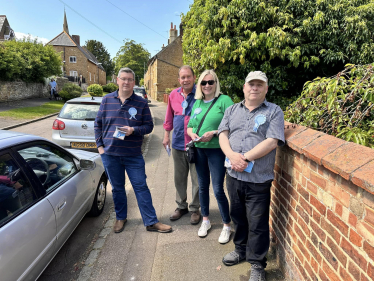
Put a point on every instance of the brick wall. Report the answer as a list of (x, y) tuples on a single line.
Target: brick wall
[(322, 208)]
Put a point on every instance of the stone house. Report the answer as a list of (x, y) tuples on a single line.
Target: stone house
[(77, 59), (6, 32), (162, 68)]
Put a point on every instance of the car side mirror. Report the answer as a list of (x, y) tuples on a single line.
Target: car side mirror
[(85, 164)]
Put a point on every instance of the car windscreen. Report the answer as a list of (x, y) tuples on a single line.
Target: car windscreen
[(79, 111), (139, 91)]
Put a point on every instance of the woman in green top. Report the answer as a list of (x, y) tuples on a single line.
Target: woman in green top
[(210, 158)]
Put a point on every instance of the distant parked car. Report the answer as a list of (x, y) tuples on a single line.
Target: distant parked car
[(74, 126), (45, 191), (140, 91)]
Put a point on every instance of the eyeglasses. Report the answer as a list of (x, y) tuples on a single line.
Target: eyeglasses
[(210, 82), (126, 79)]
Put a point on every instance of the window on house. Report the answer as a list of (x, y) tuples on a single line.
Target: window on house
[(94, 77), (73, 73), (90, 76), (73, 59)]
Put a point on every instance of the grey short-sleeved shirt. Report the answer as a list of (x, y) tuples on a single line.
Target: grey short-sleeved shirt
[(239, 121)]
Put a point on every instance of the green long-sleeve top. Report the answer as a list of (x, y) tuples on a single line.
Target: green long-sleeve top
[(211, 121)]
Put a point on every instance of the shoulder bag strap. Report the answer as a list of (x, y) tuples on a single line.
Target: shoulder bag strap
[(202, 120)]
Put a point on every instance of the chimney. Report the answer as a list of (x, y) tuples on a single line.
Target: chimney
[(181, 29), (173, 33), (77, 39)]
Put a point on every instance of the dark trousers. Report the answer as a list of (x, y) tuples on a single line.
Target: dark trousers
[(249, 210)]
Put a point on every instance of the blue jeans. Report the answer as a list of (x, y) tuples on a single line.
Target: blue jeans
[(210, 161), (115, 167)]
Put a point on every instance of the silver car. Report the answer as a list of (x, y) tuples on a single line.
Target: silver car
[(45, 191), (74, 126), (140, 91)]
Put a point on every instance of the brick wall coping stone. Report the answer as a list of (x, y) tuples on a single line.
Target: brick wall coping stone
[(351, 161)]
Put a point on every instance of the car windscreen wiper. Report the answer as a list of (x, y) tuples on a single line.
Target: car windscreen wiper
[(89, 119)]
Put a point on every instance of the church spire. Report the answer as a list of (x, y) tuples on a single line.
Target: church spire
[(66, 28)]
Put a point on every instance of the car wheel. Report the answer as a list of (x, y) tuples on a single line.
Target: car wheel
[(99, 201)]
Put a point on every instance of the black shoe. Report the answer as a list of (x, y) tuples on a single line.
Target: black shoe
[(257, 273), (232, 258)]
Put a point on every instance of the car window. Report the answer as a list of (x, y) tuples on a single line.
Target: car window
[(51, 165), (79, 111), (139, 91), (16, 192)]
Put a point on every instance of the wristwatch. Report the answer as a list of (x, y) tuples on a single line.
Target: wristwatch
[(215, 134)]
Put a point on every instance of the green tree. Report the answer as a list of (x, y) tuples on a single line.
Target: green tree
[(28, 61), (100, 52), (291, 41), (132, 55)]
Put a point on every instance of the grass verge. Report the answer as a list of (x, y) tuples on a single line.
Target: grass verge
[(34, 111)]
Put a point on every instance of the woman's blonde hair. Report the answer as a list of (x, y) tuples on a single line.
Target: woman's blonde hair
[(199, 94)]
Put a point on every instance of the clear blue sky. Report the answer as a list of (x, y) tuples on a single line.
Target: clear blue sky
[(44, 19)]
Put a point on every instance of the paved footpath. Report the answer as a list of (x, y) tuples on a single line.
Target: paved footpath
[(136, 254)]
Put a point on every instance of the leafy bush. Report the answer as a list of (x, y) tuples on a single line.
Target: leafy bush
[(291, 41), (28, 61), (95, 90), (341, 105), (141, 82), (70, 91), (110, 87), (168, 90)]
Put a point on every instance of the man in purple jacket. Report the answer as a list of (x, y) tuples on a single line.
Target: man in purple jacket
[(180, 103)]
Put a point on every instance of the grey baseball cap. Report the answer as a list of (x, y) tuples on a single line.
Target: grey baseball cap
[(256, 75)]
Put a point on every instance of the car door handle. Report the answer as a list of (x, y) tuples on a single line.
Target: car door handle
[(61, 206)]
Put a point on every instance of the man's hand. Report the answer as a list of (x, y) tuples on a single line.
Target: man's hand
[(128, 130), (101, 149), (17, 185), (238, 162), (207, 136), (166, 141)]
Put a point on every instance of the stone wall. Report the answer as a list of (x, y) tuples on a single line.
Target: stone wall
[(322, 207), (162, 72), (12, 91), (82, 66)]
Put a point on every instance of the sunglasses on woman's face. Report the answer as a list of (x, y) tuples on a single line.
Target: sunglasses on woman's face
[(210, 82)]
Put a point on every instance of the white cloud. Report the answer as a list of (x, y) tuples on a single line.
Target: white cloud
[(177, 13), (20, 35)]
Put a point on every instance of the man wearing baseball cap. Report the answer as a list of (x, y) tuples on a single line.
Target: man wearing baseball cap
[(256, 128)]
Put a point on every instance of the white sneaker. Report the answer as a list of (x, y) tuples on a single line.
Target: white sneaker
[(203, 230), (225, 235)]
